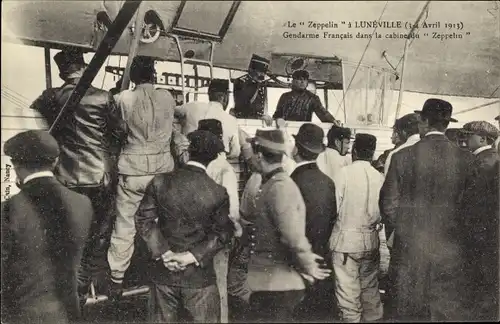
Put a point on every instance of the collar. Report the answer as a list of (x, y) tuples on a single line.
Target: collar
[(216, 104), (266, 177), (41, 174), (299, 164), (197, 164), (361, 162), (481, 149), (144, 85), (413, 139), (434, 133)]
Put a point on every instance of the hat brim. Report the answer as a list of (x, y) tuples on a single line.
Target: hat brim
[(268, 144), (450, 119), (312, 149)]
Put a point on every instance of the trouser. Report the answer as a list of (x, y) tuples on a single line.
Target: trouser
[(275, 306), (131, 190), (94, 253), (221, 270), (237, 286), (356, 286), (201, 305), (319, 302)]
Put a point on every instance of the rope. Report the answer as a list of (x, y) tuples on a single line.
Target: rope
[(360, 61)]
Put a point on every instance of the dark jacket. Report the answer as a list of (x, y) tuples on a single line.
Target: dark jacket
[(481, 210), (421, 199), (318, 191), (249, 97), (88, 136), (44, 228), (300, 105), (193, 215)]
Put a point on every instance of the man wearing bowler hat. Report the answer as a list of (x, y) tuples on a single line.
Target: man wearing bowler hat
[(191, 113), (250, 90), (282, 251), (44, 230), (335, 155), (421, 199), (318, 191), (300, 103), (89, 137), (355, 242)]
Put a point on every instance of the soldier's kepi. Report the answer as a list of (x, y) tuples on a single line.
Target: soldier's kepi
[(250, 92)]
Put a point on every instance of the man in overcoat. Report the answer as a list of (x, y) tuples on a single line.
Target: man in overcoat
[(318, 191), (421, 198), (480, 137), (44, 229)]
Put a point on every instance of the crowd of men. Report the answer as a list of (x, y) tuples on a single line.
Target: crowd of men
[(302, 243)]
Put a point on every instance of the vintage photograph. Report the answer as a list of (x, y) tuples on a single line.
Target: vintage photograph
[(250, 161)]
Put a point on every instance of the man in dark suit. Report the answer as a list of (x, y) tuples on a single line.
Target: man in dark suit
[(421, 198), (318, 191), (184, 218), (44, 228)]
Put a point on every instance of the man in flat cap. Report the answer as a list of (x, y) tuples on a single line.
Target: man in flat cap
[(318, 191), (184, 218), (335, 155), (480, 137), (354, 241), (44, 230), (420, 198), (250, 90), (89, 138), (149, 115), (218, 95), (300, 103), (279, 212)]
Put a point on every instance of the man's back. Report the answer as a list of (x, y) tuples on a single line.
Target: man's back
[(318, 191), (149, 114), (42, 243), (84, 134), (193, 112)]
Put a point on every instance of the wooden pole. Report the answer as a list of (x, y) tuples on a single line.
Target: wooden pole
[(48, 68), (105, 47), (134, 46)]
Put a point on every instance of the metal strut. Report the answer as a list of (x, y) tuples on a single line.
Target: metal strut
[(185, 60)]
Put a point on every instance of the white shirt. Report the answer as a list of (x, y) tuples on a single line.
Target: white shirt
[(41, 174), (434, 133), (191, 113), (197, 164), (330, 162), (357, 188), (409, 142), (298, 164), (481, 149)]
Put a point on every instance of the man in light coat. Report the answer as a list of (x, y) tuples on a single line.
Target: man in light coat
[(191, 113), (335, 155), (355, 239)]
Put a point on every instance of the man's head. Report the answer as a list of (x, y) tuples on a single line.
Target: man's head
[(308, 143), (258, 66), (70, 63), (339, 138), (434, 116), (268, 149), (204, 146), (300, 80), (142, 70), (32, 151), (478, 134), (364, 147), (405, 127), (218, 91)]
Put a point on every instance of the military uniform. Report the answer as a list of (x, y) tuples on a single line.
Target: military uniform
[(250, 95)]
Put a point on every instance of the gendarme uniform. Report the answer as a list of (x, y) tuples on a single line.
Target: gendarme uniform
[(250, 95)]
